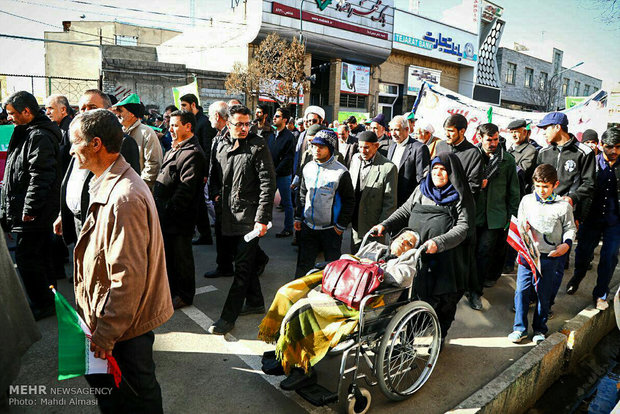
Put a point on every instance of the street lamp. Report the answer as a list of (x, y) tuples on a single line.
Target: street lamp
[(550, 84), (301, 22)]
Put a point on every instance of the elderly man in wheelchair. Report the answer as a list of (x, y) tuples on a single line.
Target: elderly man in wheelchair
[(403, 335)]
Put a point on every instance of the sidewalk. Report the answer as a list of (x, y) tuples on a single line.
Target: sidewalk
[(199, 372)]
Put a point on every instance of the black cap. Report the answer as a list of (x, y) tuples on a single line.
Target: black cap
[(517, 123), (352, 120), (589, 135), (367, 136)]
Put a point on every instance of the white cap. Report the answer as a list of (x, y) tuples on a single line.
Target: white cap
[(425, 125), (313, 109)]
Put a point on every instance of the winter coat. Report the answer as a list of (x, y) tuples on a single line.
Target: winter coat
[(248, 184), (413, 165), (151, 153), (32, 176), (282, 151), (575, 164), (180, 187), (120, 280)]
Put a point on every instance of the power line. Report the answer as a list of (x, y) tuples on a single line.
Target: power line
[(38, 39), (109, 6)]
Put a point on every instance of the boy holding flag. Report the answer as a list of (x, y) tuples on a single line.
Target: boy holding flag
[(550, 220)]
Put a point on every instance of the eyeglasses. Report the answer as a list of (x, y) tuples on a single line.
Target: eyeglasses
[(241, 124)]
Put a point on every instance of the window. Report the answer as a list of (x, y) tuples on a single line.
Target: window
[(586, 90), (543, 80), (576, 88), (565, 85), (352, 101), (557, 61), (510, 73), (126, 40), (529, 77)]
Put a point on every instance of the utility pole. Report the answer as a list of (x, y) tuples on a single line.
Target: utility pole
[(553, 100)]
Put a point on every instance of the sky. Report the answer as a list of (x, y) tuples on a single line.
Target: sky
[(574, 26)]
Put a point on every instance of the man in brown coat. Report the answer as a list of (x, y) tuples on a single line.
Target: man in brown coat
[(121, 287)]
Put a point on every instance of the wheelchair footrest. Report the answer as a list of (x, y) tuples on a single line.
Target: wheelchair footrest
[(318, 395)]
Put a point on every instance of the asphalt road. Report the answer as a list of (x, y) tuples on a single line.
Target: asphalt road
[(199, 372)]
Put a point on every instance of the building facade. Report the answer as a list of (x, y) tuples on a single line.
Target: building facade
[(529, 83)]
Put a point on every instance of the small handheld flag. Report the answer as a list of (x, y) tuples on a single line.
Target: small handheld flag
[(74, 338)]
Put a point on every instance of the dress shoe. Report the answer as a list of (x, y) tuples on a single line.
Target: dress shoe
[(297, 379), (270, 364), (474, 301), (284, 233), (213, 274), (178, 303), (221, 327), (249, 310), (260, 268), (42, 313), (572, 285), (294, 242), (202, 240), (489, 283)]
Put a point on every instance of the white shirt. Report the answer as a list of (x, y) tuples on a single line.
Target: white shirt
[(342, 147), (74, 188), (399, 151)]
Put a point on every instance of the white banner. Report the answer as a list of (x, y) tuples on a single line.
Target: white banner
[(355, 79), (437, 103)]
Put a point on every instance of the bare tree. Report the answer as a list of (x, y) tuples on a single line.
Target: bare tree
[(276, 70), (544, 94)]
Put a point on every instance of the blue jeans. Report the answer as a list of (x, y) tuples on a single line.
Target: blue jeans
[(284, 188), (525, 280), (559, 275), (589, 236)]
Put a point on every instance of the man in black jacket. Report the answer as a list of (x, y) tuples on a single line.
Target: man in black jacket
[(410, 156), (347, 144), (74, 195), (204, 133), (30, 196), (245, 191), (282, 147), (177, 192)]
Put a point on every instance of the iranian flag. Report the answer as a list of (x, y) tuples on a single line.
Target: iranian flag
[(74, 337), (523, 242)]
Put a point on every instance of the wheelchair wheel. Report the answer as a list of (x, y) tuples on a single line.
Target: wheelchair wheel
[(360, 405), (408, 350)]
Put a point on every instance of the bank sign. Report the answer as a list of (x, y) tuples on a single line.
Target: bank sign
[(421, 36)]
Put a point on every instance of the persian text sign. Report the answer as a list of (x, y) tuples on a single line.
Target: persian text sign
[(288, 11), (421, 36)]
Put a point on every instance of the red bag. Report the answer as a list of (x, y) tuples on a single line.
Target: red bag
[(350, 281)]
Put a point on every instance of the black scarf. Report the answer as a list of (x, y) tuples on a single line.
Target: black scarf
[(495, 159)]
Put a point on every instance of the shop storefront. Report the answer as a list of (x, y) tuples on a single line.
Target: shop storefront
[(345, 42)]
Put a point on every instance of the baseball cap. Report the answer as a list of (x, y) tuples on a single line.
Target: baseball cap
[(553, 118)]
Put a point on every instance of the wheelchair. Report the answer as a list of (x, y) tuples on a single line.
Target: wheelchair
[(399, 343)]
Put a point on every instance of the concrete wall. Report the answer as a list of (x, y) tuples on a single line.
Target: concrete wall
[(153, 81), (75, 61), (518, 94)]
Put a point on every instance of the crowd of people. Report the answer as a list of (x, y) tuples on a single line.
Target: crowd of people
[(132, 198)]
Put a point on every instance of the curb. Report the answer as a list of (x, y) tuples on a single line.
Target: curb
[(519, 386)]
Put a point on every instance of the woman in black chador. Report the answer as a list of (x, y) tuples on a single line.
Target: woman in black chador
[(441, 209)]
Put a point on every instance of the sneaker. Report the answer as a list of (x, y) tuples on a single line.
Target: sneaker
[(221, 327), (517, 336), (538, 337), (297, 379), (601, 304), (249, 310)]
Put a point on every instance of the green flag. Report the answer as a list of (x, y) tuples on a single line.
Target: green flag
[(490, 114)]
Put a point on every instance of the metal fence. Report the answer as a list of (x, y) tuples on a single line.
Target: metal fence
[(43, 86)]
